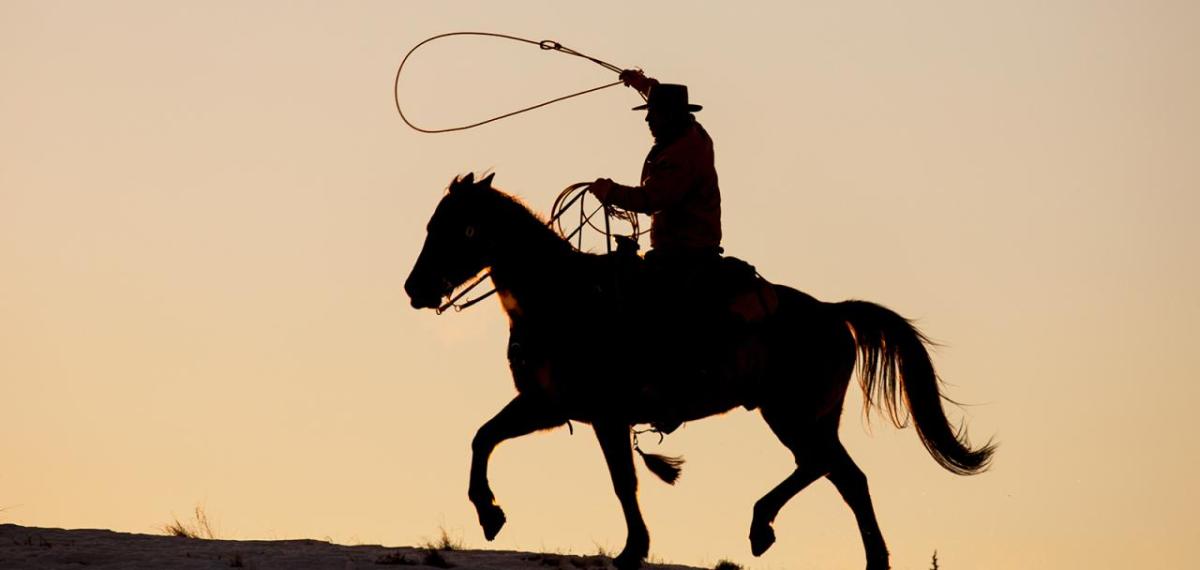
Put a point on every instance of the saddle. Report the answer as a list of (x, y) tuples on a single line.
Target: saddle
[(723, 287), (701, 316), (750, 298)]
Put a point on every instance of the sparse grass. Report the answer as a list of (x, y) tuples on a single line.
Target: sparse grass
[(726, 565), (602, 551), (177, 529), (444, 542), (199, 528), (434, 549)]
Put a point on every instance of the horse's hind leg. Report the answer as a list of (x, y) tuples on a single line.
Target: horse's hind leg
[(762, 536), (852, 484), (818, 453), (618, 453), (809, 443)]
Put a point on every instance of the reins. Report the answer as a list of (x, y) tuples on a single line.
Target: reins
[(545, 45)]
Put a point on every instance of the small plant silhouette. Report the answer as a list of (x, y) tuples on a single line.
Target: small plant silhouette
[(444, 542), (935, 562), (199, 528), (434, 549), (726, 565)]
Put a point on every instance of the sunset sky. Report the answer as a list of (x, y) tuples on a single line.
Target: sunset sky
[(208, 210)]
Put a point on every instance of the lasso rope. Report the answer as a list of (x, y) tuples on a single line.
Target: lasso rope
[(667, 468), (568, 196), (547, 45)]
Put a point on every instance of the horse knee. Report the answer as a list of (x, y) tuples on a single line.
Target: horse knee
[(483, 443)]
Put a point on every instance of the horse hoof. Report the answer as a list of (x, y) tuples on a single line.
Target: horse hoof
[(625, 561), (492, 519), (761, 538)]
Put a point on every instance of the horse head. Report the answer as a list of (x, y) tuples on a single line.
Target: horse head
[(456, 245)]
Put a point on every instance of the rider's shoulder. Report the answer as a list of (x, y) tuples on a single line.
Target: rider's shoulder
[(693, 142)]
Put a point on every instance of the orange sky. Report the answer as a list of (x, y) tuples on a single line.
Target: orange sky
[(208, 209)]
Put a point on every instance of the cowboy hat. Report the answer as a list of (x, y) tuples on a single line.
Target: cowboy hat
[(669, 97)]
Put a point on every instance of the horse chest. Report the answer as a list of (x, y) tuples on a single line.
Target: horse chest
[(529, 362)]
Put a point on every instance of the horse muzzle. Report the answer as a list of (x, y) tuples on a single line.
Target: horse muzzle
[(425, 302), (426, 297)]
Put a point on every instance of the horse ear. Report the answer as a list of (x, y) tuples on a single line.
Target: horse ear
[(487, 180), (461, 182)]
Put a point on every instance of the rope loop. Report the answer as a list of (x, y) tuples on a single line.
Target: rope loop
[(545, 45)]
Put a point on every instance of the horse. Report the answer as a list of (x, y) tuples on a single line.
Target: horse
[(794, 367)]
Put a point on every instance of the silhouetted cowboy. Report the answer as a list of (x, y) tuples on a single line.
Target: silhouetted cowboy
[(679, 181), (679, 191)]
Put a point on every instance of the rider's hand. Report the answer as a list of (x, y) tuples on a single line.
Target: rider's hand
[(636, 79), (600, 188)]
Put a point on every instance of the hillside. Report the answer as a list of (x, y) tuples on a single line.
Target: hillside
[(51, 548)]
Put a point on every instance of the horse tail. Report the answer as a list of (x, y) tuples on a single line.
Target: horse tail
[(896, 373)]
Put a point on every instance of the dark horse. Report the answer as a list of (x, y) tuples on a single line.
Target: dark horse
[(795, 366)]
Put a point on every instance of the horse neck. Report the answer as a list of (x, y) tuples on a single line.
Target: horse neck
[(532, 262)]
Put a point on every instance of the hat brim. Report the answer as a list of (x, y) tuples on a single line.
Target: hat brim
[(690, 108)]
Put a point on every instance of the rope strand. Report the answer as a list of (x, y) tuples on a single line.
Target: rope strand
[(546, 45)]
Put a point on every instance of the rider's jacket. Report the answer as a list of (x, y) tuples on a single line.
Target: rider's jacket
[(679, 190)]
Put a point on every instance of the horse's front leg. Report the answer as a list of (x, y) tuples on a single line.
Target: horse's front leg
[(523, 415), (614, 441)]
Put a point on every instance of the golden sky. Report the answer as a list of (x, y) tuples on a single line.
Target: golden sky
[(208, 209)]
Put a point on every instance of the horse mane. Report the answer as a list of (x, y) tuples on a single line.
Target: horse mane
[(513, 214)]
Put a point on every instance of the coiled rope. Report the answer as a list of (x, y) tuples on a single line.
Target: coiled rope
[(545, 45)]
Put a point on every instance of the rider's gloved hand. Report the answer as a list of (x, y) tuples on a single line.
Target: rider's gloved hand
[(637, 79), (600, 188)]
